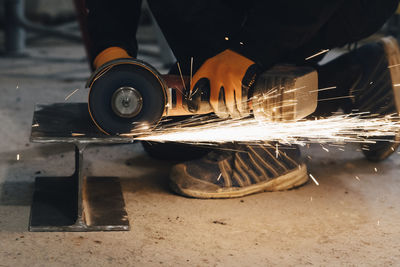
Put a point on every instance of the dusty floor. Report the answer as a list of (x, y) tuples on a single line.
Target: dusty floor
[(343, 221)]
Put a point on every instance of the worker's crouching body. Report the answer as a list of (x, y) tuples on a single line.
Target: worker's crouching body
[(222, 40)]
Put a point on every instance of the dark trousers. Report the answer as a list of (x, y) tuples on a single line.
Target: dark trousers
[(340, 22)]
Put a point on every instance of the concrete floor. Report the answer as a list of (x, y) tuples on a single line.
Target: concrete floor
[(343, 221)]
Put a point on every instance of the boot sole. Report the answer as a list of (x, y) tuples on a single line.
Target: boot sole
[(392, 51), (287, 181)]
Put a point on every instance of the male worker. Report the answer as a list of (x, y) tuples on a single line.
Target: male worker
[(231, 42)]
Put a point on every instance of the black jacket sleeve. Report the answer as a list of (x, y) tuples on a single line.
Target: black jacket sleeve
[(113, 23)]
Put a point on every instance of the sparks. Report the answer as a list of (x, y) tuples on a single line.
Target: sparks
[(191, 71), (338, 129), (317, 54), (18, 157), (314, 180), (357, 178), (375, 169), (219, 177), (77, 134), (324, 148), (323, 89), (71, 94), (393, 66), (183, 81), (335, 98)]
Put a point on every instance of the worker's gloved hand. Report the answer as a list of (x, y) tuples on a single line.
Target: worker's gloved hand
[(230, 76), (109, 54)]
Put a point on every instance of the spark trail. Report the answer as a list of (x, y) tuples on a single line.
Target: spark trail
[(350, 128)]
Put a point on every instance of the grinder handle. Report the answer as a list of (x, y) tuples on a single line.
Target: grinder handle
[(178, 101)]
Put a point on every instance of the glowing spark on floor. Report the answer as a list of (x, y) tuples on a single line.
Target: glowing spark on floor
[(35, 125), (314, 180), (71, 94), (219, 177), (317, 54), (357, 178), (375, 169), (77, 134), (18, 157)]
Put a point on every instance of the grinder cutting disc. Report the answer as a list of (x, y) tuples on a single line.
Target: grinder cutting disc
[(126, 95)]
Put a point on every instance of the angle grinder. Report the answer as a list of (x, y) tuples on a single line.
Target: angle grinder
[(129, 94)]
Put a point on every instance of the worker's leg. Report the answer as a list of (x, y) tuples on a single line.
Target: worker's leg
[(352, 22), (364, 79)]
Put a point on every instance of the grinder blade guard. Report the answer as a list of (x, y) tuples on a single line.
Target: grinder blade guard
[(126, 94)]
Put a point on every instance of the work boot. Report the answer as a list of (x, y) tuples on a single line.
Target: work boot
[(228, 174), (370, 75)]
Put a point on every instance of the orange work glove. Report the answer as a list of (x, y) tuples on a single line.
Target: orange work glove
[(109, 54), (226, 70)]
